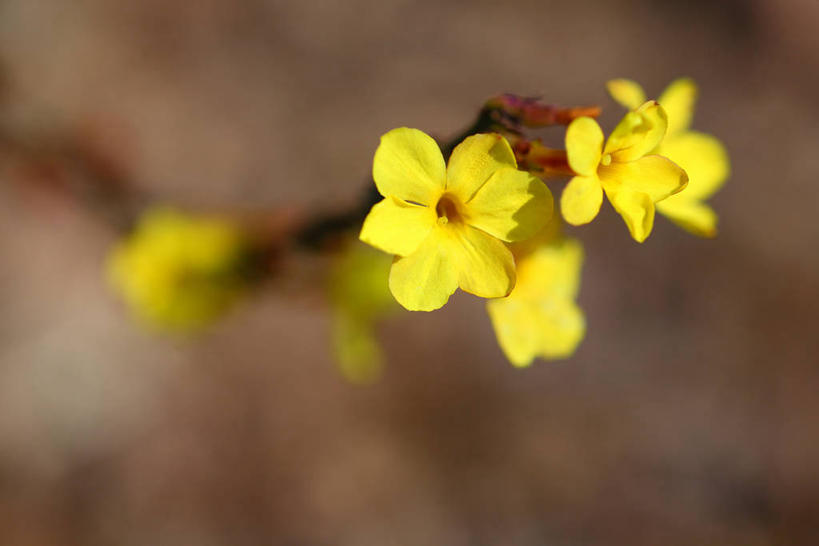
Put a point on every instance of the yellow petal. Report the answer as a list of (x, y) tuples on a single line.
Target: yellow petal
[(626, 92), (540, 318), (551, 232), (512, 205), (581, 200), (515, 325), (584, 145), (638, 133), (527, 329), (408, 165), (654, 175), (486, 267), (563, 328), (475, 160), (360, 297), (704, 159), (397, 227), (357, 282), (424, 280), (356, 348), (678, 100), (552, 272), (636, 208), (691, 215)]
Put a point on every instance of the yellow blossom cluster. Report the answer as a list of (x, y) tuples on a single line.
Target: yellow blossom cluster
[(482, 224), (482, 220)]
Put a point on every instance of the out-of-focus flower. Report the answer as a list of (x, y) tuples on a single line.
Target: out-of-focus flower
[(702, 156), (540, 317), (360, 297), (632, 179), (447, 224), (178, 272)]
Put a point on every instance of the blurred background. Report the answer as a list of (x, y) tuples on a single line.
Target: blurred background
[(689, 415)]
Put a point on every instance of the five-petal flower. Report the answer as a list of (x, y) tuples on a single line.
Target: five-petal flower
[(179, 272), (702, 156), (632, 179), (448, 224)]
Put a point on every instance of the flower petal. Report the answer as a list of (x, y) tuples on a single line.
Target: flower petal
[(654, 175), (397, 227), (512, 205), (678, 100), (581, 200), (474, 161), (691, 215), (638, 133), (540, 318), (550, 233), (356, 348), (563, 328), (408, 165), (424, 280), (704, 159), (636, 208), (486, 267), (628, 93), (552, 272), (517, 330), (584, 145), (526, 329)]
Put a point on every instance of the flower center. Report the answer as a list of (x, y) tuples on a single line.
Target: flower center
[(606, 160), (447, 210)]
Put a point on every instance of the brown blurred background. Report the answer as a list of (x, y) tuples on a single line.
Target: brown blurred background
[(689, 415)]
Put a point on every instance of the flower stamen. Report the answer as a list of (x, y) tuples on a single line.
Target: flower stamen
[(447, 210)]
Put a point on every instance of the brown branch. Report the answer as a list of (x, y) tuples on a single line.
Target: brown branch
[(77, 166)]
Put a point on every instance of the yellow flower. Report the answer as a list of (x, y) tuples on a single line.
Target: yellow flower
[(178, 272), (359, 297), (447, 224), (702, 156), (632, 179), (540, 316)]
